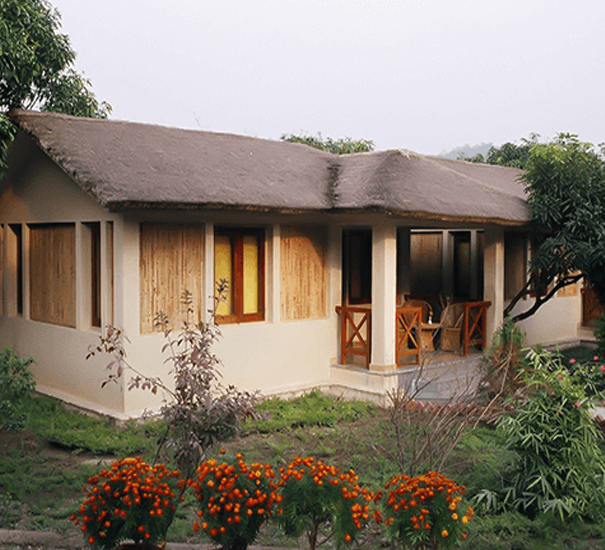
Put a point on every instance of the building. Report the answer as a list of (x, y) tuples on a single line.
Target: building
[(107, 222)]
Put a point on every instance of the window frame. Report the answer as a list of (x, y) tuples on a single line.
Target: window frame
[(236, 286)]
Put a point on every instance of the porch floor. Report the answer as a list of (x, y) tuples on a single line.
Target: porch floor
[(442, 377)]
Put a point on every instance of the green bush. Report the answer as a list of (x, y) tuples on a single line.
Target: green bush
[(600, 335), (559, 467), (16, 382)]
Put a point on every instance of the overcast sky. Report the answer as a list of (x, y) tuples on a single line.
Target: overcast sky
[(409, 74)]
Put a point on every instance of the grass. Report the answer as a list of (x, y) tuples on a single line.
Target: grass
[(44, 467)]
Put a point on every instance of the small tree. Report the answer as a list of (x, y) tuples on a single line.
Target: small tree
[(198, 410), (566, 194)]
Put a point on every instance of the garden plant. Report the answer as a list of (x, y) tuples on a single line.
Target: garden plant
[(16, 383), (322, 501), (198, 410), (235, 499), (559, 465), (426, 511), (130, 501)]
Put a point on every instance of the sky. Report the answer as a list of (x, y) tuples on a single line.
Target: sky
[(421, 75)]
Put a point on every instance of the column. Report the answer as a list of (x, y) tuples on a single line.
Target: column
[(493, 277), (384, 296)]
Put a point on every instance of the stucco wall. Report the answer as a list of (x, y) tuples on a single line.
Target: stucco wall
[(43, 193), (556, 321)]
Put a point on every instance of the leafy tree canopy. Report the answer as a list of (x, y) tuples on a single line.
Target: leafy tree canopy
[(36, 67), (508, 154), (342, 146), (566, 194)]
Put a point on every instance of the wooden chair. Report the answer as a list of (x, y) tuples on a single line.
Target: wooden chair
[(427, 310), (451, 327)]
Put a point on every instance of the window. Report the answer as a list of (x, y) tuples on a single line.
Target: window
[(52, 273), (515, 263), (239, 258)]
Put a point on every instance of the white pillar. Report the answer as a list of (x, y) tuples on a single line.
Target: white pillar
[(384, 295), (493, 276)]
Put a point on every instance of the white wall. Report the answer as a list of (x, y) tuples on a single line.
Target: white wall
[(557, 320), (46, 194)]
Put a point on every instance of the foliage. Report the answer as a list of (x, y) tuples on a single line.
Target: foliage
[(36, 67), (425, 434), (16, 383), (130, 501), (68, 429), (198, 410), (559, 466), (586, 368), (566, 194), (341, 146), (503, 366), (235, 498), (310, 409), (508, 154), (600, 335), (423, 511), (318, 496)]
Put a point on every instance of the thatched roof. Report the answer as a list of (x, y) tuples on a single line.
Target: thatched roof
[(131, 165)]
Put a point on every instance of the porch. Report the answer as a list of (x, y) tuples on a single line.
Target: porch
[(459, 329)]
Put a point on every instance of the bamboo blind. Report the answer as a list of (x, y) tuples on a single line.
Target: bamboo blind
[(52, 273), (171, 262), (304, 276)]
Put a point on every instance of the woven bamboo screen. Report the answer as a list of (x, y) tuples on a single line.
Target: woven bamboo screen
[(52, 273), (171, 262), (304, 276)]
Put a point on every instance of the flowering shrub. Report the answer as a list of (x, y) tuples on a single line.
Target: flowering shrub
[(130, 501), (587, 371), (424, 511), (316, 495), (559, 464), (235, 499)]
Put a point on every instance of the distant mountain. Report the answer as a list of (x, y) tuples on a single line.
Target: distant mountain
[(468, 150)]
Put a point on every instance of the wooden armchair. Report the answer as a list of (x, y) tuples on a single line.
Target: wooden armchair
[(427, 310), (451, 327)]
